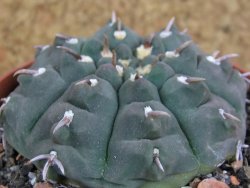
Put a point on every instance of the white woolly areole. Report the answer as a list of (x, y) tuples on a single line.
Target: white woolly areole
[(156, 151), (182, 79), (165, 34), (142, 52), (132, 77), (40, 71), (93, 82), (213, 60), (120, 35), (171, 54), (45, 47), (86, 59), (124, 62), (147, 109), (119, 70), (107, 53), (144, 70), (69, 115), (6, 100), (72, 41), (222, 111), (53, 153)]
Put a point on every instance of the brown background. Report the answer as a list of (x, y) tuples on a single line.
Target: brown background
[(214, 24)]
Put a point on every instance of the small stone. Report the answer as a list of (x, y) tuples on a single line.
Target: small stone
[(236, 165), (247, 171), (9, 152), (19, 182), (234, 180), (42, 185), (14, 168), (32, 178), (7, 175), (25, 170), (195, 182), (211, 182), (1, 148), (209, 175)]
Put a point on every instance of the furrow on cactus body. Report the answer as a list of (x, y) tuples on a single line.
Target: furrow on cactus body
[(196, 107), (120, 110), (87, 103), (35, 103), (138, 141)]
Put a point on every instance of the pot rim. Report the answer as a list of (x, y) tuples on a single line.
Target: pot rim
[(8, 83)]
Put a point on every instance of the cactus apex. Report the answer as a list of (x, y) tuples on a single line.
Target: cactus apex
[(143, 51), (124, 62), (144, 70)]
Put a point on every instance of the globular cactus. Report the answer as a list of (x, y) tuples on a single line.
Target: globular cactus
[(120, 110)]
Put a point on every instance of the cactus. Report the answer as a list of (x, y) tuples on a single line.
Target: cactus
[(120, 110)]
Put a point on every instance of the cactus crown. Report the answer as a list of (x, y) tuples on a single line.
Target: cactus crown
[(120, 110)]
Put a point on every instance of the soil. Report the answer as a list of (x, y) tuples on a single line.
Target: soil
[(15, 173)]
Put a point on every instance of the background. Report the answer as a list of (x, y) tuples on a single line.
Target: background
[(215, 25)]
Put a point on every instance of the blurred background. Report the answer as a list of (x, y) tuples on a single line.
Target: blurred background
[(215, 25)]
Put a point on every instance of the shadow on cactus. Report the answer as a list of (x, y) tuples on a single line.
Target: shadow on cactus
[(120, 110)]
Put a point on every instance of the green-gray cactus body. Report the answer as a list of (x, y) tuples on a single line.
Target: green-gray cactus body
[(123, 111)]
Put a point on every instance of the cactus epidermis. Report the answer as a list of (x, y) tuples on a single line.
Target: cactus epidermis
[(120, 110)]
